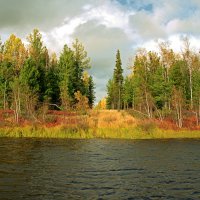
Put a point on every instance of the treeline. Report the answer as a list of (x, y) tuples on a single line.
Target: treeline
[(31, 78), (161, 85)]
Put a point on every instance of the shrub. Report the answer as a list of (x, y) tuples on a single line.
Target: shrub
[(147, 126)]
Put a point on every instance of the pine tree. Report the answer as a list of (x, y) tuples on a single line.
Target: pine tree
[(67, 77), (128, 92), (118, 79), (52, 91), (38, 55), (82, 63), (91, 93)]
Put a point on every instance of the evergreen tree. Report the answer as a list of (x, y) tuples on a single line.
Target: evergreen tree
[(82, 63), (52, 92), (38, 55), (73, 63), (110, 95), (118, 79), (67, 77), (91, 93), (128, 92)]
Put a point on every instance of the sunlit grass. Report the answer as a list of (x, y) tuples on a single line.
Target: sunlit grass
[(43, 132), (123, 133)]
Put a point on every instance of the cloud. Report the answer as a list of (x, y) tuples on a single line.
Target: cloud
[(145, 27), (43, 14), (175, 43), (187, 26)]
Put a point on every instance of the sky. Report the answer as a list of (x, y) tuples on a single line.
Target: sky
[(103, 26)]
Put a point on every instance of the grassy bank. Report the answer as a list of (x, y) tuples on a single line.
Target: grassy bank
[(104, 124), (120, 133)]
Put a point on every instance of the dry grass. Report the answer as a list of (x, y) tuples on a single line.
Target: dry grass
[(111, 119)]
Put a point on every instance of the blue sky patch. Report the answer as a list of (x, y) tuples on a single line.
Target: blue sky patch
[(136, 5)]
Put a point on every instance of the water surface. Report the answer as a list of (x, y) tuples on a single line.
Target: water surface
[(47, 169)]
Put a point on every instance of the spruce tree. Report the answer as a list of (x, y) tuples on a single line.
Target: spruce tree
[(128, 92), (67, 77), (39, 56), (118, 79), (91, 93)]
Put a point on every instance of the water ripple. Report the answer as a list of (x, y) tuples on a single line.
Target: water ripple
[(99, 169)]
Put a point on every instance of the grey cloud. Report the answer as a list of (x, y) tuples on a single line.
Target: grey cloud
[(188, 26), (145, 27), (44, 14)]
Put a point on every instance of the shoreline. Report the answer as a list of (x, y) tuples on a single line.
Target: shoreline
[(105, 124), (99, 133)]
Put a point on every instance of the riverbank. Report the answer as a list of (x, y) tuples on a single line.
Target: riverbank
[(99, 124), (109, 133)]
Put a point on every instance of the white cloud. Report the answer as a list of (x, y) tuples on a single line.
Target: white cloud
[(175, 42), (107, 14)]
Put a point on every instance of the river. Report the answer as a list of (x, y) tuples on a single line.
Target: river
[(51, 169)]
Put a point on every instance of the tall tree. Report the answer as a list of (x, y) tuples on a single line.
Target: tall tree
[(188, 57), (14, 55), (67, 77), (52, 91), (38, 55), (73, 64), (82, 63), (141, 72), (118, 79), (168, 58)]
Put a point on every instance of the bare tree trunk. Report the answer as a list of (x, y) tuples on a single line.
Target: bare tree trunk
[(180, 116), (4, 95), (191, 89), (16, 112), (147, 105), (177, 102)]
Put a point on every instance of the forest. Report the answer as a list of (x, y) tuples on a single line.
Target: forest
[(33, 80), (162, 85), (41, 89)]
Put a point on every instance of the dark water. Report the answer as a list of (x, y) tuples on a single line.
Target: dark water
[(99, 169)]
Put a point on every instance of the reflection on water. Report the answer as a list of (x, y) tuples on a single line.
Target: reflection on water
[(99, 169)]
